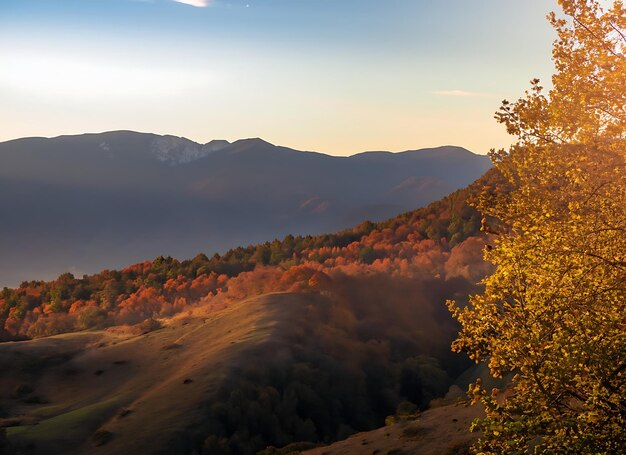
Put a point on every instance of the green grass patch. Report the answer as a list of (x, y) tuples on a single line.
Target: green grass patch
[(72, 427)]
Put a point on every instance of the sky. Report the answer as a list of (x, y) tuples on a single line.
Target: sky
[(334, 76)]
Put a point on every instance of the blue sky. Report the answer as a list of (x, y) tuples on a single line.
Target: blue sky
[(337, 76)]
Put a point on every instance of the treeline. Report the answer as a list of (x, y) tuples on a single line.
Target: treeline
[(165, 286)]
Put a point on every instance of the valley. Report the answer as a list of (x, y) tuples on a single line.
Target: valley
[(309, 339), (90, 202)]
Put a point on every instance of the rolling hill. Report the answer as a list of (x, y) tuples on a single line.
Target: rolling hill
[(272, 369), (114, 382), (85, 203), (305, 340)]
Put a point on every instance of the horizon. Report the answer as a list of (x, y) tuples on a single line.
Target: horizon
[(335, 77), (231, 142)]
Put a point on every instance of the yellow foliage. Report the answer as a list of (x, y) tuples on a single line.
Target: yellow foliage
[(553, 313)]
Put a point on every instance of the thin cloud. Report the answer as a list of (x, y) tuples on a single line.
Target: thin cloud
[(459, 93), (196, 3)]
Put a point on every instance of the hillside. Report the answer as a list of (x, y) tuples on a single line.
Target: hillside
[(438, 431), (116, 381), (85, 203), (273, 369), (310, 338)]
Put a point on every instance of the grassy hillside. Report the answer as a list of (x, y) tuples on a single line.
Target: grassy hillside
[(438, 431), (143, 392), (304, 339), (270, 370)]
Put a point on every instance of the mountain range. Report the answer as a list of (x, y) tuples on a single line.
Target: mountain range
[(94, 201)]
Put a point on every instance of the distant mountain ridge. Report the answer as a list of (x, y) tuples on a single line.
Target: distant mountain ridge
[(93, 201)]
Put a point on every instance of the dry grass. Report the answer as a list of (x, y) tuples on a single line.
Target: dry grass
[(440, 431), (104, 386)]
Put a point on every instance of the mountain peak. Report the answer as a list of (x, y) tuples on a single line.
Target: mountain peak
[(253, 145), (447, 150), (253, 141), (175, 150), (216, 145)]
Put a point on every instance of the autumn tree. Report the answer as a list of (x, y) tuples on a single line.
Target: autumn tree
[(553, 314)]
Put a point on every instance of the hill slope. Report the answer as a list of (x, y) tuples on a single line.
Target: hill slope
[(117, 382), (95, 201), (438, 431), (273, 369), (304, 339)]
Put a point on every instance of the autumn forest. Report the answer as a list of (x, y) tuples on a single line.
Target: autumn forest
[(488, 321)]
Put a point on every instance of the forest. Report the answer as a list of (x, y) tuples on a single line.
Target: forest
[(439, 240), (516, 283), (373, 339)]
